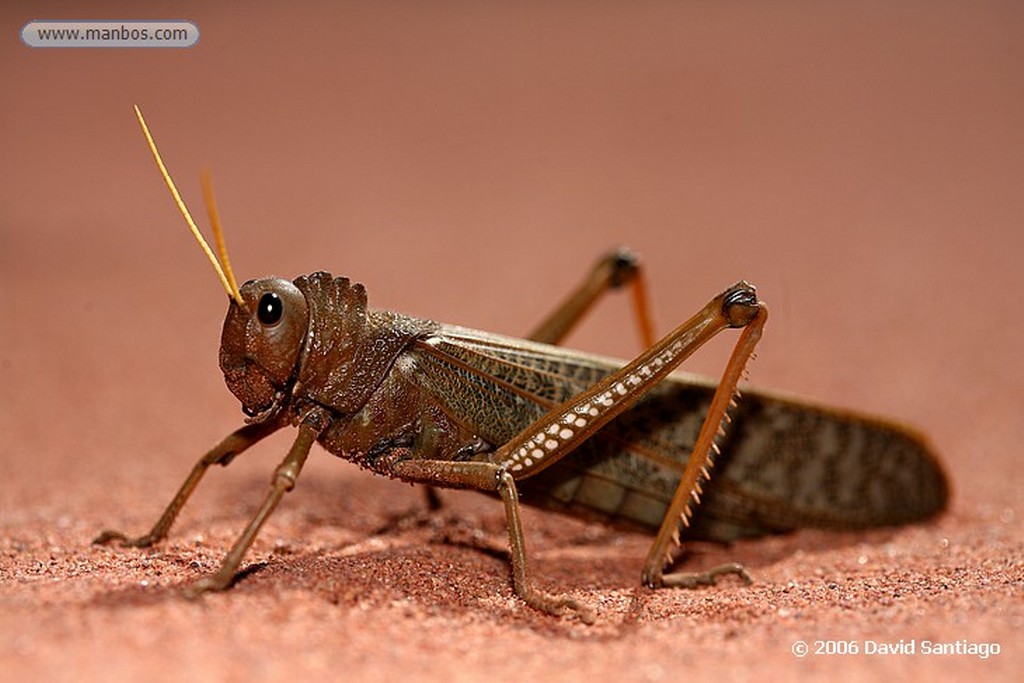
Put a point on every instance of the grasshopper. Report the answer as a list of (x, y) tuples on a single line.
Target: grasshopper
[(532, 422)]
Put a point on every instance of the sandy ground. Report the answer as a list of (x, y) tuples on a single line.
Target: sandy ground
[(861, 164)]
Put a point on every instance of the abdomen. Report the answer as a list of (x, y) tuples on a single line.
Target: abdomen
[(783, 465)]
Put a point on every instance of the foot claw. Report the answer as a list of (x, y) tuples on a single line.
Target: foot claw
[(206, 584), (695, 579), (109, 536), (583, 611), (554, 604)]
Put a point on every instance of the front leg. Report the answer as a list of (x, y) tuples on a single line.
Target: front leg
[(284, 480), (221, 454)]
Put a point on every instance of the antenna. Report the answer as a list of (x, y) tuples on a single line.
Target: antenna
[(230, 286)]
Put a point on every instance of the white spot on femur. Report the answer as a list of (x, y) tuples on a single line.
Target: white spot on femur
[(580, 422), (565, 434), (593, 411), (620, 388), (553, 429), (537, 453), (551, 444)]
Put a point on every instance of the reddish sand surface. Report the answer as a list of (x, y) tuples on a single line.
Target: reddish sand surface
[(861, 163)]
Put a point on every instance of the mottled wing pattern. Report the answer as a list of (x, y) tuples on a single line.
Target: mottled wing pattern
[(783, 464)]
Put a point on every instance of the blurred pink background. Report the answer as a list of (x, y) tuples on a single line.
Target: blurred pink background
[(862, 163)]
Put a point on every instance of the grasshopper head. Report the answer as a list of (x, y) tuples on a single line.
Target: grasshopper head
[(262, 341), (267, 319)]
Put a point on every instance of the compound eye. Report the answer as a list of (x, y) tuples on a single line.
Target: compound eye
[(270, 309)]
